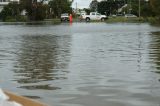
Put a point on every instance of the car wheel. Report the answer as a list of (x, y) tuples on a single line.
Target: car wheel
[(102, 19), (87, 19)]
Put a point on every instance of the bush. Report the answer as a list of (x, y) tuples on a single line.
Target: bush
[(37, 12), (10, 19), (10, 12), (125, 20), (154, 20), (21, 18)]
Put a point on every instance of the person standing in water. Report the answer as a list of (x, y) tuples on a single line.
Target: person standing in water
[(70, 18)]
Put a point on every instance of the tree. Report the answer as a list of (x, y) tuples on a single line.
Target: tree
[(93, 5), (146, 10), (87, 10), (110, 6), (60, 6), (12, 11), (35, 10), (155, 4)]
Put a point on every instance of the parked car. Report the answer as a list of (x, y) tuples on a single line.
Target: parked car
[(130, 16), (65, 17), (120, 14), (113, 15), (93, 16), (116, 15)]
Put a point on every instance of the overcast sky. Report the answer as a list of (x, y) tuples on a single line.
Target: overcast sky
[(81, 3)]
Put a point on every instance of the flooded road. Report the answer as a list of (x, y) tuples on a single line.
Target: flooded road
[(83, 64)]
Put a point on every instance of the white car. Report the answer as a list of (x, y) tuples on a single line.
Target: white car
[(65, 17), (93, 16), (130, 16)]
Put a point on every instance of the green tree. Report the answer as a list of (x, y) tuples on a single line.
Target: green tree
[(87, 10), (11, 11), (110, 6), (93, 5), (35, 10), (145, 10), (155, 4), (60, 6)]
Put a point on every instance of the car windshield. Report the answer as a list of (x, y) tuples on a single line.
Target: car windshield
[(98, 14), (93, 13), (64, 14)]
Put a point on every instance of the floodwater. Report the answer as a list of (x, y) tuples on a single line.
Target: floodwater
[(83, 64)]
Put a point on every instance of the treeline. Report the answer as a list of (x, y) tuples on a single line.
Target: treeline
[(107, 6), (155, 8), (148, 8), (35, 10)]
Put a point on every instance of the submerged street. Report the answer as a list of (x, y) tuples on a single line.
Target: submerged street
[(82, 64)]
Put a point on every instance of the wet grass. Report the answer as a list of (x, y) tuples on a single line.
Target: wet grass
[(157, 72), (154, 21), (156, 33), (125, 20), (45, 22), (53, 21)]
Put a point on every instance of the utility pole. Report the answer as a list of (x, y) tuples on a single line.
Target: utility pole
[(76, 7), (76, 11), (139, 8), (130, 8)]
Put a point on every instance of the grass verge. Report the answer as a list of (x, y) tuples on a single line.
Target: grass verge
[(125, 20)]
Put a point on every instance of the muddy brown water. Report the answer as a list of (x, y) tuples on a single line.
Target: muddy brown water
[(83, 64)]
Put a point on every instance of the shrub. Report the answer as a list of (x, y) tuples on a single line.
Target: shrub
[(10, 12)]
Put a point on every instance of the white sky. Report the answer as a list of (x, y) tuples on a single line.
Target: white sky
[(81, 3)]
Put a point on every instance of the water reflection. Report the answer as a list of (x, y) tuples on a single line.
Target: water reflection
[(34, 87), (85, 64), (32, 97), (42, 58), (47, 22), (155, 49), (140, 47)]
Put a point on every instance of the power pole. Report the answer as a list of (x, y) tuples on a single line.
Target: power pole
[(130, 8), (76, 11), (76, 7), (139, 8)]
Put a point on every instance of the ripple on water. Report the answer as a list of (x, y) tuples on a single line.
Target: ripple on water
[(85, 64)]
